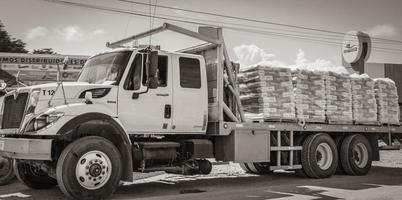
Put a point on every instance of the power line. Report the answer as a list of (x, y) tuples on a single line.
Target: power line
[(142, 14), (253, 20)]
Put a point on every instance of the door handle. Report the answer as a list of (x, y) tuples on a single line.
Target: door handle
[(162, 95), (168, 111)]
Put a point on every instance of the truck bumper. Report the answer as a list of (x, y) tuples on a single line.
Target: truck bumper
[(29, 149), (9, 131)]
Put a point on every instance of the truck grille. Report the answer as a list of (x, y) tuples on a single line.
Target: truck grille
[(14, 110)]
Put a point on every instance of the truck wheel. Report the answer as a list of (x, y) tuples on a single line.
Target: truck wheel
[(6, 170), (256, 168), (319, 156), (356, 155), (338, 143), (205, 166), (32, 176), (89, 168)]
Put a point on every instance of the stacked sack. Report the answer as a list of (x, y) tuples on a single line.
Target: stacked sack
[(338, 97), (387, 101), (364, 99), (267, 93), (309, 90)]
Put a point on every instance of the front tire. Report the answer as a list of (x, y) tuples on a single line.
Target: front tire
[(89, 168), (319, 156), (32, 176), (356, 155), (6, 170)]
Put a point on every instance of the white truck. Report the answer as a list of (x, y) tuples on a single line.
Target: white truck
[(144, 109)]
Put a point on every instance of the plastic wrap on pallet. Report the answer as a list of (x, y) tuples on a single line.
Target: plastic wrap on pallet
[(267, 93), (364, 103), (387, 101), (338, 92), (309, 91)]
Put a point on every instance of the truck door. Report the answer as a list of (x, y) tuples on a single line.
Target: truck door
[(190, 97), (146, 111)]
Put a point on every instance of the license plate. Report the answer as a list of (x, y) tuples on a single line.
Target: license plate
[(1, 145)]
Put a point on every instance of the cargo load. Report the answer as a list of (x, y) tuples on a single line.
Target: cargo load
[(338, 92), (387, 101), (364, 100), (309, 90), (267, 93)]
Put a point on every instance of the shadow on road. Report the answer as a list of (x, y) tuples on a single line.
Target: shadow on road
[(277, 185)]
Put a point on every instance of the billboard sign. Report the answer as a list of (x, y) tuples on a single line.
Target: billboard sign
[(41, 68)]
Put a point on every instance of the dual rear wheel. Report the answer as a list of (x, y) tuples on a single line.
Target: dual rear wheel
[(322, 156)]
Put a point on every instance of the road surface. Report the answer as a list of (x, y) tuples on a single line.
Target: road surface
[(228, 182)]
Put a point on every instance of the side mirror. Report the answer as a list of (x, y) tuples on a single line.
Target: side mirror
[(65, 63), (88, 97), (3, 86), (153, 70)]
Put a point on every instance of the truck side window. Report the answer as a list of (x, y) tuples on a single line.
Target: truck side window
[(162, 71), (133, 81), (190, 74)]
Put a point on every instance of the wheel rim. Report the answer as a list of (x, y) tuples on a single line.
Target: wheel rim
[(93, 170), (324, 156), (360, 155)]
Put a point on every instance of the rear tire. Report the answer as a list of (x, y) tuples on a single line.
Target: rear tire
[(338, 142), (319, 156), (6, 170), (33, 177), (89, 168), (356, 155), (256, 168)]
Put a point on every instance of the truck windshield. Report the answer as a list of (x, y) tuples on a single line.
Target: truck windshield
[(105, 68)]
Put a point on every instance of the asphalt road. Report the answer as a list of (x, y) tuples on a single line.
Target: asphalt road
[(380, 183)]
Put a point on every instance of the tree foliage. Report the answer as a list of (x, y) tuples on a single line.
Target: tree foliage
[(44, 51), (10, 44)]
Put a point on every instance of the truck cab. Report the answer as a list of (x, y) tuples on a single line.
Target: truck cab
[(129, 101), (178, 105)]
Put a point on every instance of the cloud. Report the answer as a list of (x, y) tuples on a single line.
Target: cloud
[(301, 57), (302, 62), (249, 55), (36, 32), (75, 33), (97, 32), (71, 33), (383, 30)]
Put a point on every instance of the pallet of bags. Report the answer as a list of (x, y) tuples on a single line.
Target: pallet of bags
[(338, 92), (387, 101), (267, 94), (364, 103), (309, 91)]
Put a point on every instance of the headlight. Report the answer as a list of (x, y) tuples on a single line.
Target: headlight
[(43, 121)]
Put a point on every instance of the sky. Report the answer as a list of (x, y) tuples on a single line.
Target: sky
[(83, 31)]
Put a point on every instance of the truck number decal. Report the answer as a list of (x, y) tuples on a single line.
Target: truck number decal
[(48, 92)]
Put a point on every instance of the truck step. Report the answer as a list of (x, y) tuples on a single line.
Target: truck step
[(285, 167), (286, 148)]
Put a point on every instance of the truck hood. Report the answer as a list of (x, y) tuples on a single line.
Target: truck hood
[(72, 89)]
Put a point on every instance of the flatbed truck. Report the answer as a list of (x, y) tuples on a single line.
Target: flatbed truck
[(144, 109)]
